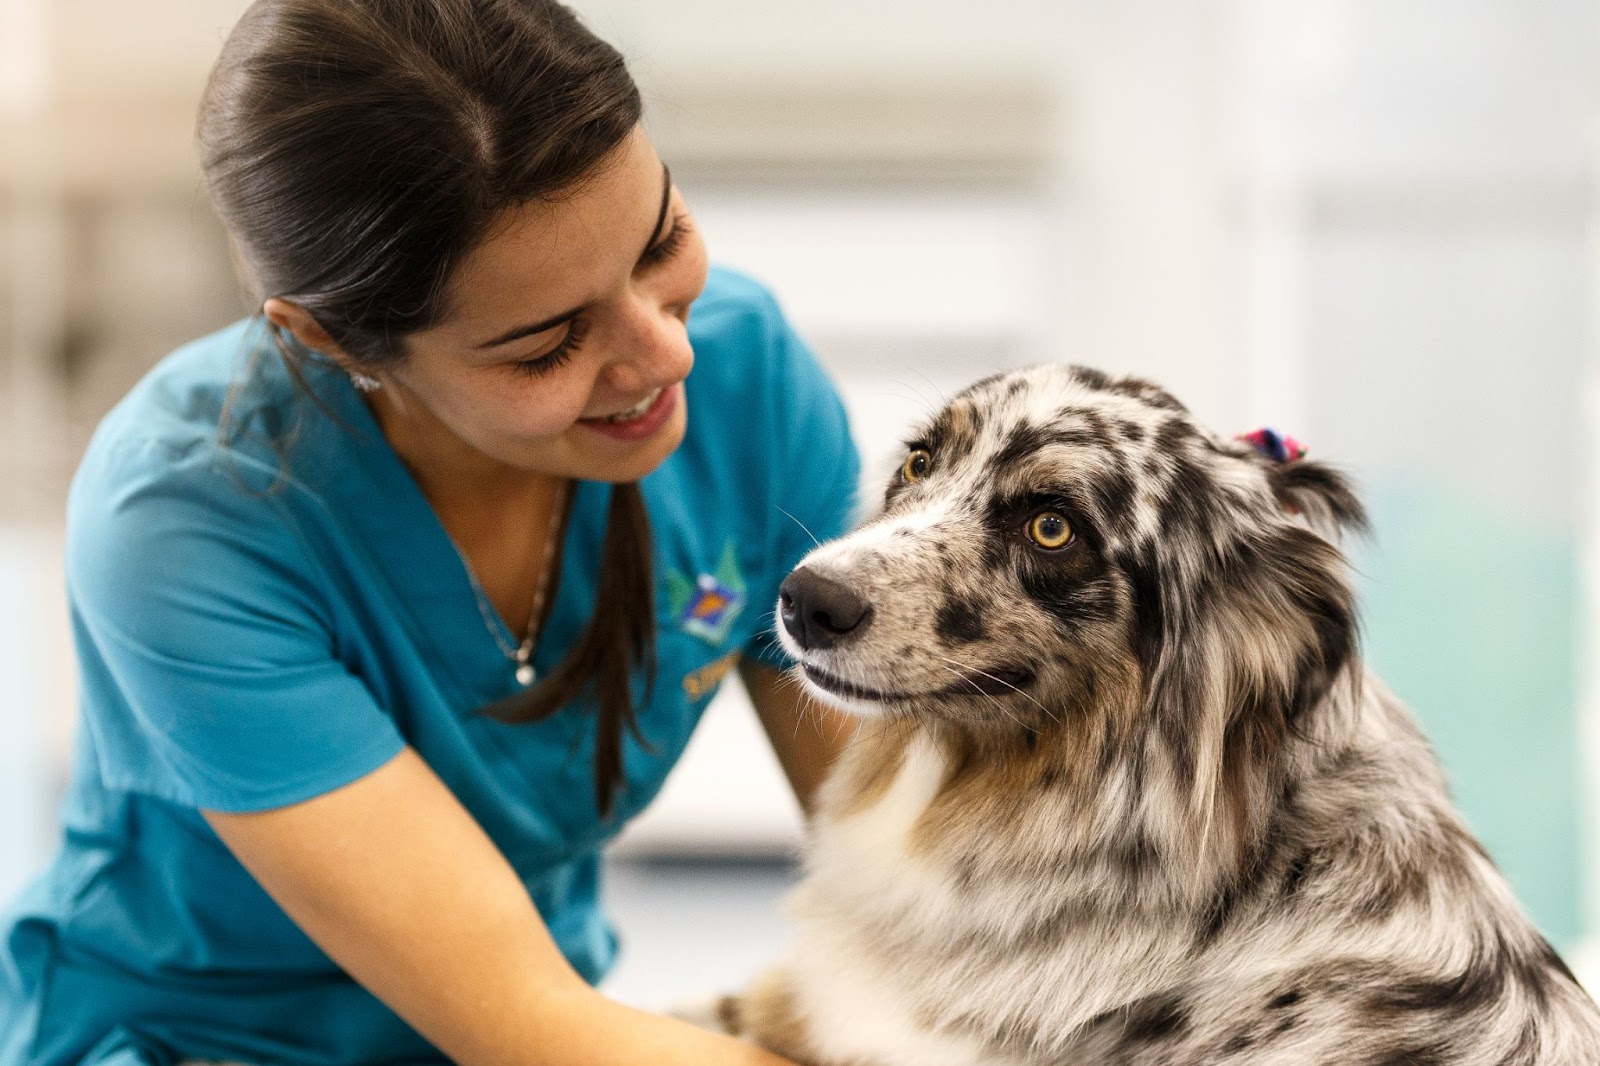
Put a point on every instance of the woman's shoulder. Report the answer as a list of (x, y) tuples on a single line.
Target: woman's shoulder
[(746, 350), (757, 392), (226, 395), (170, 438), (735, 311), (183, 401), (729, 290)]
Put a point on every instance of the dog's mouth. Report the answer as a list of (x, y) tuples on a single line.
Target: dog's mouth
[(994, 682)]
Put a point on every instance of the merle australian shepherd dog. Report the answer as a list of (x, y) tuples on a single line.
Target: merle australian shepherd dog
[(1123, 792)]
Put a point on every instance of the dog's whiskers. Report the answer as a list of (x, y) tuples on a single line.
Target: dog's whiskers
[(802, 525), (921, 397), (793, 679), (963, 676), (964, 669)]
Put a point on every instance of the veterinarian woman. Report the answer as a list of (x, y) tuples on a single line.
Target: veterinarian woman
[(396, 600)]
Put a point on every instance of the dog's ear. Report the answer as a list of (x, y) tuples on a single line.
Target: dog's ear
[(1319, 493), (1239, 662)]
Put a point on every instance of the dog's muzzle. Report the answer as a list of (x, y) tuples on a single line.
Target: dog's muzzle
[(819, 612)]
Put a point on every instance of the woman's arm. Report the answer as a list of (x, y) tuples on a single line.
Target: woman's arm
[(805, 735), (399, 885)]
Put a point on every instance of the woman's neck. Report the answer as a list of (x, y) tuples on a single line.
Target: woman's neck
[(501, 518), (460, 481)]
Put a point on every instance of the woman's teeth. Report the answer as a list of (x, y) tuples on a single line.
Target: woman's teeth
[(636, 410)]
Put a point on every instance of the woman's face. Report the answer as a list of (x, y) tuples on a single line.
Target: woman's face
[(563, 350)]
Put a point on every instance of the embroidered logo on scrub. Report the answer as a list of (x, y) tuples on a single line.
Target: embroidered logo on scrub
[(708, 605), (703, 682)]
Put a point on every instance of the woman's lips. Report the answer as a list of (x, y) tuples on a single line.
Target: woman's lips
[(641, 426)]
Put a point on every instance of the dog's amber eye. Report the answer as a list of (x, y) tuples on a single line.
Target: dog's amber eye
[(917, 465), (1050, 530)]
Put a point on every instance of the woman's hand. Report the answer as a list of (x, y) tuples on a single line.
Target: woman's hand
[(400, 886)]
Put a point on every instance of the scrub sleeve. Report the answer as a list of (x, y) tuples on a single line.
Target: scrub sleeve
[(259, 625)]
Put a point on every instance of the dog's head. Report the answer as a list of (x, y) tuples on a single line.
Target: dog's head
[(1061, 549)]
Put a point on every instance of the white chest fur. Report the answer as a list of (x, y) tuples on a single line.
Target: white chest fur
[(865, 876), (879, 835)]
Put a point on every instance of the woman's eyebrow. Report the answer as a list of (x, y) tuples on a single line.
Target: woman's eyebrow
[(527, 331), (661, 216), (555, 320)]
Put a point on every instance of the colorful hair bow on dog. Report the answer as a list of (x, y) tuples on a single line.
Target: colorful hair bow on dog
[(1279, 447)]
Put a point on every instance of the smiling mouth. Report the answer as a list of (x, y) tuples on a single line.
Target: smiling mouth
[(995, 682), (638, 410)]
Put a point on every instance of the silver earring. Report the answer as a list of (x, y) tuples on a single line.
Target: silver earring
[(365, 382)]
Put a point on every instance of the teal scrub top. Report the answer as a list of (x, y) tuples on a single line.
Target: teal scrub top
[(258, 623)]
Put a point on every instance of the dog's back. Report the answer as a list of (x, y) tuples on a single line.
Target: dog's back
[(1124, 794)]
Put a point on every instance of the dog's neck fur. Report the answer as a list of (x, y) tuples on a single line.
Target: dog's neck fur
[(1085, 798), (934, 834)]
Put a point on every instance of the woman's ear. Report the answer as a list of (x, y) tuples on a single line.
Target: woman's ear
[(305, 329)]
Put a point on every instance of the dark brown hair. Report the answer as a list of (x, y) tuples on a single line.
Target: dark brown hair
[(357, 150)]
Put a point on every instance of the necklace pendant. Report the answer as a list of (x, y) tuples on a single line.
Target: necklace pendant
[(525, 674)]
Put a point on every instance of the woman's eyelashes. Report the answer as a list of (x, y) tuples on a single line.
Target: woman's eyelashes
[(658, 253), (668, 246), (557, 356)]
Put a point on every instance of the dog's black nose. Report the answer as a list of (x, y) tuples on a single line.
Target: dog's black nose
[(819, 612)]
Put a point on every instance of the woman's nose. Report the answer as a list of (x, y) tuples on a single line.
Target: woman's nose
[(654, 353)]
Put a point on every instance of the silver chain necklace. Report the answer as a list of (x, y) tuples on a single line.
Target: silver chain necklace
[(522, 654)]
